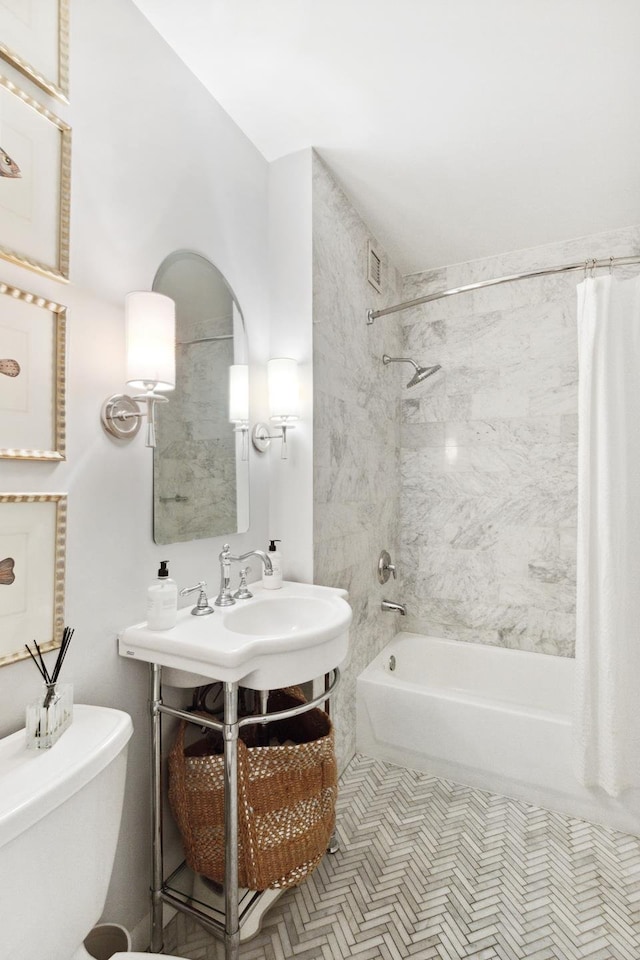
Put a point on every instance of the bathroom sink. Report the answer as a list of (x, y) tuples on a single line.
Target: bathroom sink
[(276, 638), (281, 616)]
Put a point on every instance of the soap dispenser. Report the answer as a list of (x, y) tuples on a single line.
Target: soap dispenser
[(162, 601), (274, 582)]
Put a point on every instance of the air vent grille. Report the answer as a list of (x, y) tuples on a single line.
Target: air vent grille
[(374, 267)]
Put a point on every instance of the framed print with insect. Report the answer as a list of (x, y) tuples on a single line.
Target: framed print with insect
[(32, 376), (35, 40), (35, 184), (32, 567)]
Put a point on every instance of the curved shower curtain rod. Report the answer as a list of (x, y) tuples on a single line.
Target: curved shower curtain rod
[(583, 265)]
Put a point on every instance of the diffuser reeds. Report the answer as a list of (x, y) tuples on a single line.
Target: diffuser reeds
[(51, 714), (51, 679)]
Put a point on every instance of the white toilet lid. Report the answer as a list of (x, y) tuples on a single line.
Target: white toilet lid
[(143, 956)]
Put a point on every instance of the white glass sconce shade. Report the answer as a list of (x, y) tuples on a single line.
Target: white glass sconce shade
[(238, 393), (239, 404), (150, 321), (284, 400), (151, 337)]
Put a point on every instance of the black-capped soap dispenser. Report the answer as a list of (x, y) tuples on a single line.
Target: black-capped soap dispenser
[(274, 582), (162, 600)]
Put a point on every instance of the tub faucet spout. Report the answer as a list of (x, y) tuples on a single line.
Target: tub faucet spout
[(394, 607)]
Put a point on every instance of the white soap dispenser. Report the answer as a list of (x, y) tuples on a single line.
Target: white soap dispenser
[(162, 601), (274, 582)]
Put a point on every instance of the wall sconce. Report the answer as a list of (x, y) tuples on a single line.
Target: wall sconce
[(282, 378), (150, 320), (239, 403)]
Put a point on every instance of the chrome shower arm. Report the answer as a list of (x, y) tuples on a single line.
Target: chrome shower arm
[(386, 359)]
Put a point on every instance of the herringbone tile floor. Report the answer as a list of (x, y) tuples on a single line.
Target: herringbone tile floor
[(431, 869)]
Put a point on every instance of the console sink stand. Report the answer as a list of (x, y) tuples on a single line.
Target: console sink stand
[(229, 928)]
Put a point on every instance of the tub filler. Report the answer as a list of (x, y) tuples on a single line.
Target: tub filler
[(488, 717)]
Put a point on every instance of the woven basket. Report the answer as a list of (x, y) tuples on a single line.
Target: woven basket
[(286, 799)]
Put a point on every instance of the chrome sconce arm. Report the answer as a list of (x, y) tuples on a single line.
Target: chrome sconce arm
[(261, 438), (121, 415)]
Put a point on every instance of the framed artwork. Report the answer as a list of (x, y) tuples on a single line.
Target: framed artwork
[(35, 40), (32, 565), (35, 184), (32, 376)]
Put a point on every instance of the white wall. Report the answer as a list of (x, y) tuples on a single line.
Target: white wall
[(291, 289), (157, 165)]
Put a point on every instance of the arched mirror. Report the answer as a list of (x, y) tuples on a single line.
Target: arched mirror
[(200, 464)]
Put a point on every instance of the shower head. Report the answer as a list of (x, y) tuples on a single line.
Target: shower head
[(421, 372)]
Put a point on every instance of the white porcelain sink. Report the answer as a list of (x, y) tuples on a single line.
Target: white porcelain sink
[(275, 615), (279, 637)]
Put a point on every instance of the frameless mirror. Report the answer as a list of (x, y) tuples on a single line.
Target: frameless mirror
[(200, 469)]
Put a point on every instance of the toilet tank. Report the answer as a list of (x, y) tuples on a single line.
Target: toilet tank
[(60, 815)]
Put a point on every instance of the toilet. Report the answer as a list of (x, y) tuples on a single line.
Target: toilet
[(60, 813)]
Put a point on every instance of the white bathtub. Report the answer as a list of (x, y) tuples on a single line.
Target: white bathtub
[(489, 717)]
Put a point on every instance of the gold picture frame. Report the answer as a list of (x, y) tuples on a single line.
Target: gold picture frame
[(36, 42), (32, 572), (32, 376), (35, 189)]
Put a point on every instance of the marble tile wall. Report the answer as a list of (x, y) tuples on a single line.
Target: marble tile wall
[(356, 432), (489, 450), (196, 444)]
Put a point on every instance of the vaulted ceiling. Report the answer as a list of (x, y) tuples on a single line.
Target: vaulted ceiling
[(459, 128)]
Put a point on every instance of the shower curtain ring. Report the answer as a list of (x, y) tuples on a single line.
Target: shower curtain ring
[(610, 266)]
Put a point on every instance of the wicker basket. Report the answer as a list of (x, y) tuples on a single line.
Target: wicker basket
[(286, 799)]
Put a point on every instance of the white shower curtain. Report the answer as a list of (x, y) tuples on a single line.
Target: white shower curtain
[(607, 703)]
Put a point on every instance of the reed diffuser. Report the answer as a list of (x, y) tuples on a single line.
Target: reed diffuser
[(49, 716)]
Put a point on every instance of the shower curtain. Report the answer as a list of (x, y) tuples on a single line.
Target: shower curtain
[(607, 702)]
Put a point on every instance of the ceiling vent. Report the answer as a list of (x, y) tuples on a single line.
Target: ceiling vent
[(374, 267)]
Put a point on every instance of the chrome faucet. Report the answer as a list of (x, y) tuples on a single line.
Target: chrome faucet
[(243, 592), (202, 607), (394, 607), (224, 598)]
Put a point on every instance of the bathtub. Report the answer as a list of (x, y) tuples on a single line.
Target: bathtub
[(488, 717)]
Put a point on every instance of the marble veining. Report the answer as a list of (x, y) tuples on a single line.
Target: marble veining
[(469, 479), (194, 440), (488, 462), (356, 432)]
